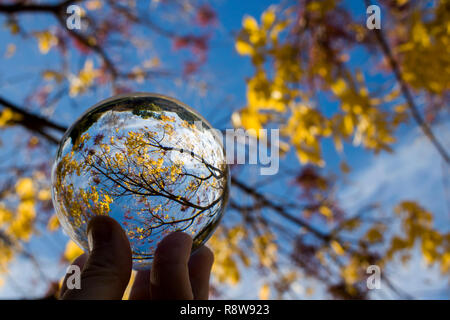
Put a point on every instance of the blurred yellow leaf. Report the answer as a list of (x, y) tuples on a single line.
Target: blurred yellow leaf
[(243, 48), (5, 214), (44, 194), (250, 24), (85, 78), (268, 17), (72, 251), (46, 40), (337, 248), (53, 223), (7, 116), (52, 75), (309, 291), (339, 87), (25, 188), (326, 211), (264, 292), (94, 5), (374, 235)]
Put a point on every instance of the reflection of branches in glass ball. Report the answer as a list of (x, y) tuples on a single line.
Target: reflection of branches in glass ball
[(149, 168)]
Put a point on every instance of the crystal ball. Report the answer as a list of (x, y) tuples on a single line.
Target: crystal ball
[(150, 162)]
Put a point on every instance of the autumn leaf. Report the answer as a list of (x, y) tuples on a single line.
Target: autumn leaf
[(46, 40), (7, 117), (336, 246), (326, 211), (72, 251), (94, 5), (25, 188), (264, 292), (84, 79), (338, 87), (53, 223), (243, 48)]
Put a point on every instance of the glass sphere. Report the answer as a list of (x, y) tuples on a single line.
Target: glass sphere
[(148, 161)]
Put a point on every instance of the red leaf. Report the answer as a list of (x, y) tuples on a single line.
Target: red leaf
[(205, 15)]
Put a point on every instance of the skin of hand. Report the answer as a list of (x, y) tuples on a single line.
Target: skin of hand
[(175, 273)]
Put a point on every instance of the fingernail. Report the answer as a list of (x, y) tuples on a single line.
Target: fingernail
[(99, 233)]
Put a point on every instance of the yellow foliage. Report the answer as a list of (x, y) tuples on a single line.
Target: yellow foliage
[(264, 292), (309, 291), (337, 248), (265, 249), (5, 214), (46, 40), (6, 255), (94, 5), (49, 75), (226, 250), (243, 48), (374, 235), (44, 195), (250, 24), (326, 211), (7, 116), (85, 78), (53, 223), (21, 226), (424, 53), (268, 17), (339, 87), (350, 272), (305, 127), (72, 251), (275, 98), (417, 224)]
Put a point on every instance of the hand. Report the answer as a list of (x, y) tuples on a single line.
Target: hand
[(175, 274)]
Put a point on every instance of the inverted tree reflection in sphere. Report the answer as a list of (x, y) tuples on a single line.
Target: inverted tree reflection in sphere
[(149, 162)]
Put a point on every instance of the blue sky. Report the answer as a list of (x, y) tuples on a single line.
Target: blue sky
[(414, 171)]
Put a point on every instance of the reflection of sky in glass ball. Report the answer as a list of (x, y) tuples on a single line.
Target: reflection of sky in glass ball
[(149, 162)]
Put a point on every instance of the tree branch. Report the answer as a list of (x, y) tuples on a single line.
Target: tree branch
[(408, 96), (33, 7), (33, 122), (281, 210)]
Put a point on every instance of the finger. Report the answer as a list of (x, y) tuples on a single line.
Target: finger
[(169, 277), (80, 262), (200, 266), (141, 286), (108, 268)]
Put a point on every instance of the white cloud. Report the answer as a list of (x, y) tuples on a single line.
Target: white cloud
[(415, 171)]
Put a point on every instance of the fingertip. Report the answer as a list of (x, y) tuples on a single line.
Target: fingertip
[(108, 268), (169, 278), (102, 229), (203, 254), (200, 265), (173, 246), (175, 238)]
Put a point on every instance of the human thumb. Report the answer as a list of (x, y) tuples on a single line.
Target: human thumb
[(108, 268)]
